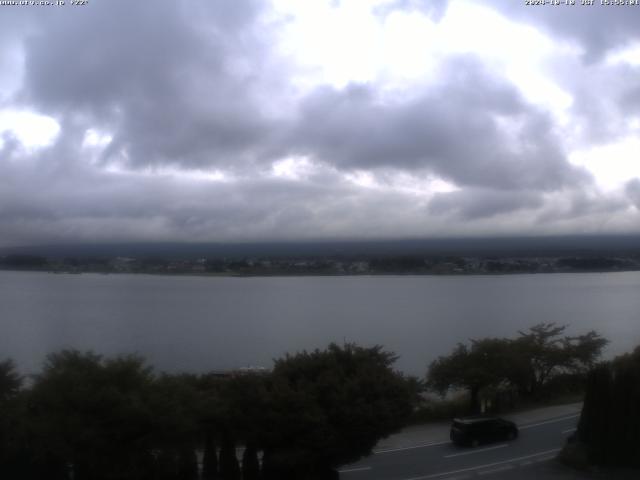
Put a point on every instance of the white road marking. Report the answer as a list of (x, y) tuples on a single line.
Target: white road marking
[(555, 420), (424, 445), (569, 430), (488, 465), (544, 459), (358, 469), (476, 451), (496, 470)]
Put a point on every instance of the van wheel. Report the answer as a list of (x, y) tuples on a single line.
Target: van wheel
[(475, 442)]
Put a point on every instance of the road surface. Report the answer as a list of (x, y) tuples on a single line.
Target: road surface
[(538, 443)]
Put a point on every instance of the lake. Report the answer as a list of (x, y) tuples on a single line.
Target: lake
[(182, 323)]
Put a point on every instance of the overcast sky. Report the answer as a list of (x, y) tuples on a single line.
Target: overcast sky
[(252, 120)]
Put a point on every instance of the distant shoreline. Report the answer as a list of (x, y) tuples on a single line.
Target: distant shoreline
[(311, 274), (328, 265)]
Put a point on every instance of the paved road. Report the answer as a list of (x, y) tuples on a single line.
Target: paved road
[(537, 443)]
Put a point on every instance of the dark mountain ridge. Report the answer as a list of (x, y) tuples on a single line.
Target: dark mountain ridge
[(584, 245)]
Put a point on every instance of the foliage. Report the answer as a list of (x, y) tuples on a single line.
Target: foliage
[(542, 352), (330, 407), (10, 419), (93, 414), (229, 466), (433, 409), (209, 458), (10, 380), (527, 363), (173, 403), (94, 418), (610, 422), (87, 417), (472, 368), (250, 463), (242, 401)]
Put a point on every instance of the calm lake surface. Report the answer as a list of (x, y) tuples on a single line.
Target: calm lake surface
[(206, 323)]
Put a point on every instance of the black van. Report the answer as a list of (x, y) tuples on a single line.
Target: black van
[(482, 429)]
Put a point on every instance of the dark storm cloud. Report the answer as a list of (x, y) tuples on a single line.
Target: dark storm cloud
[(583, 203), (199, 86), (181, 85), (87, 204), (585, 209), (474, 203), (472, 129), (602, 96), (627, 94), (174, 82)]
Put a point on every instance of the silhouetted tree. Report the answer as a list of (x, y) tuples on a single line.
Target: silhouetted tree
[(542, 351), (250, 463), (609, 425), (483, 364), (92, 414), (173, 404), (229, 466), (10, 380), (240, 402), (216, 414), (210, 458), (12, 448), (330, 407), (187, 463), (168, 464), (526, 363)]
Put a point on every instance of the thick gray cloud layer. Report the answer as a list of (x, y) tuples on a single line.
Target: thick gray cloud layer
[(474, 203), (169, 81), (199, 87), (472, 129)]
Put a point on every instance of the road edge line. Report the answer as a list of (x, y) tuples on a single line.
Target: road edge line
[(478, 467)]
